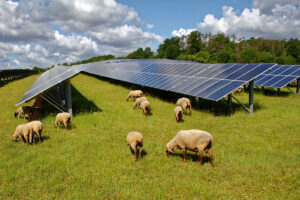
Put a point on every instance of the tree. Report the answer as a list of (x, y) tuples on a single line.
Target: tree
[(194, 43), (249, 55), (172, 51)]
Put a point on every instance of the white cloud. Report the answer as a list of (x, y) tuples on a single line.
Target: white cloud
[(282, 23), (149, 26), (182, 32), (43, 33)]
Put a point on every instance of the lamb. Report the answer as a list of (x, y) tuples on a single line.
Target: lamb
[(134, 94), (184, 103), (37, 128), (134, 140), (23, 131), (239, 91), (145, 106), (138, 102), (64, 118), (178, 113), (23, 110), (193, 140)]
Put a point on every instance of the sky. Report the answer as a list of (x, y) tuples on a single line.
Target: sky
[(48, 32)]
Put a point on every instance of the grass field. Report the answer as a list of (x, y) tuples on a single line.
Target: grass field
[(256, 156)]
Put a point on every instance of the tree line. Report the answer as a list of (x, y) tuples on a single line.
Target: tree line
[(219, 48)]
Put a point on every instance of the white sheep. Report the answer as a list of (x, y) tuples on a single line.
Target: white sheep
[(23, 131), (37, 128), (138, 101), (134, 94), (145, 106), (178, 113), (239, 91), (134, 140), (184, 103), (193, 140), (64, 118), (23, 110)]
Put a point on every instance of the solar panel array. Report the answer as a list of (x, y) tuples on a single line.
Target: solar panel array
[(279, 76), (208, 81)]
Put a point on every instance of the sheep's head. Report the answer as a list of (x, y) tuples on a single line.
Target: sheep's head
[(14, 138), (168, 151)]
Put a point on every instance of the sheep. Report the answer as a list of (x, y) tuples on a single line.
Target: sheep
[(64, 118), (193, 140), (134, 140), (37, 128), (145, 106), (23, 131), (184, 103), (178, 113), (134, 94), (23, 110), (239, 91), (138, 101)]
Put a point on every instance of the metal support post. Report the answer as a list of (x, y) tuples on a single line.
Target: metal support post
[(251, 97), (229, 102), (298, 85), (278, 91), (69, 97)]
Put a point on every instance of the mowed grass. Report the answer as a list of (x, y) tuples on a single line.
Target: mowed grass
[(256, 156)]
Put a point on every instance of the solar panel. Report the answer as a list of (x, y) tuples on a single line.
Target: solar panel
[(279, 76), (208, 81)]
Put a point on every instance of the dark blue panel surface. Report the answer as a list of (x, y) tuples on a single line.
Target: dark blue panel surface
[(273, 81), (219, 94), (200, 87), (283, 82), (229, 71), (252, 73), (290, 71), (216, 86), (278, 69)]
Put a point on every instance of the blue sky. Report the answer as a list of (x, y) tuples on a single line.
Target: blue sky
[(169, 15), (49, 32)]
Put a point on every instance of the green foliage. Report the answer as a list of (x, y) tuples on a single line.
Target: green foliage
[(141, 54), (249, 55), (256, 156), (172, 51), (194, 43), (95, 59)]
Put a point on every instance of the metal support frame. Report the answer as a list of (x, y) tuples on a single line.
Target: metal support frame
[(278, 91), (68, 96), (298, 85), (290, 90), (251, 84), (229, 102)]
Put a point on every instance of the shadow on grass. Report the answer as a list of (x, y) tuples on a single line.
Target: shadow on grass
[(3, 83), (43, 138), (272, 92), (144, 153), (193, 156), (80, 104), (219, 108)]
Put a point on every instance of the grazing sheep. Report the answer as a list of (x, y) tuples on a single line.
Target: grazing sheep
[(178, 113), (239, 91), (23, 131), (193, 140), (134, 94), (134, 140), (184, 103), (64, 118), (37, 128), (23, 110), (138, 101), (145, 105)]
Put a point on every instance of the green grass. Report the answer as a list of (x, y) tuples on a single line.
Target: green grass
[(256, 156)]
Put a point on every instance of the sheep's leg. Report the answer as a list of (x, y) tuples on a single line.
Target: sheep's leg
[(184, 155), (140, 154), (26, 138), (66, 125), (190, 107), (211, 157), (201, 157), (135, 154), (23, 140)]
